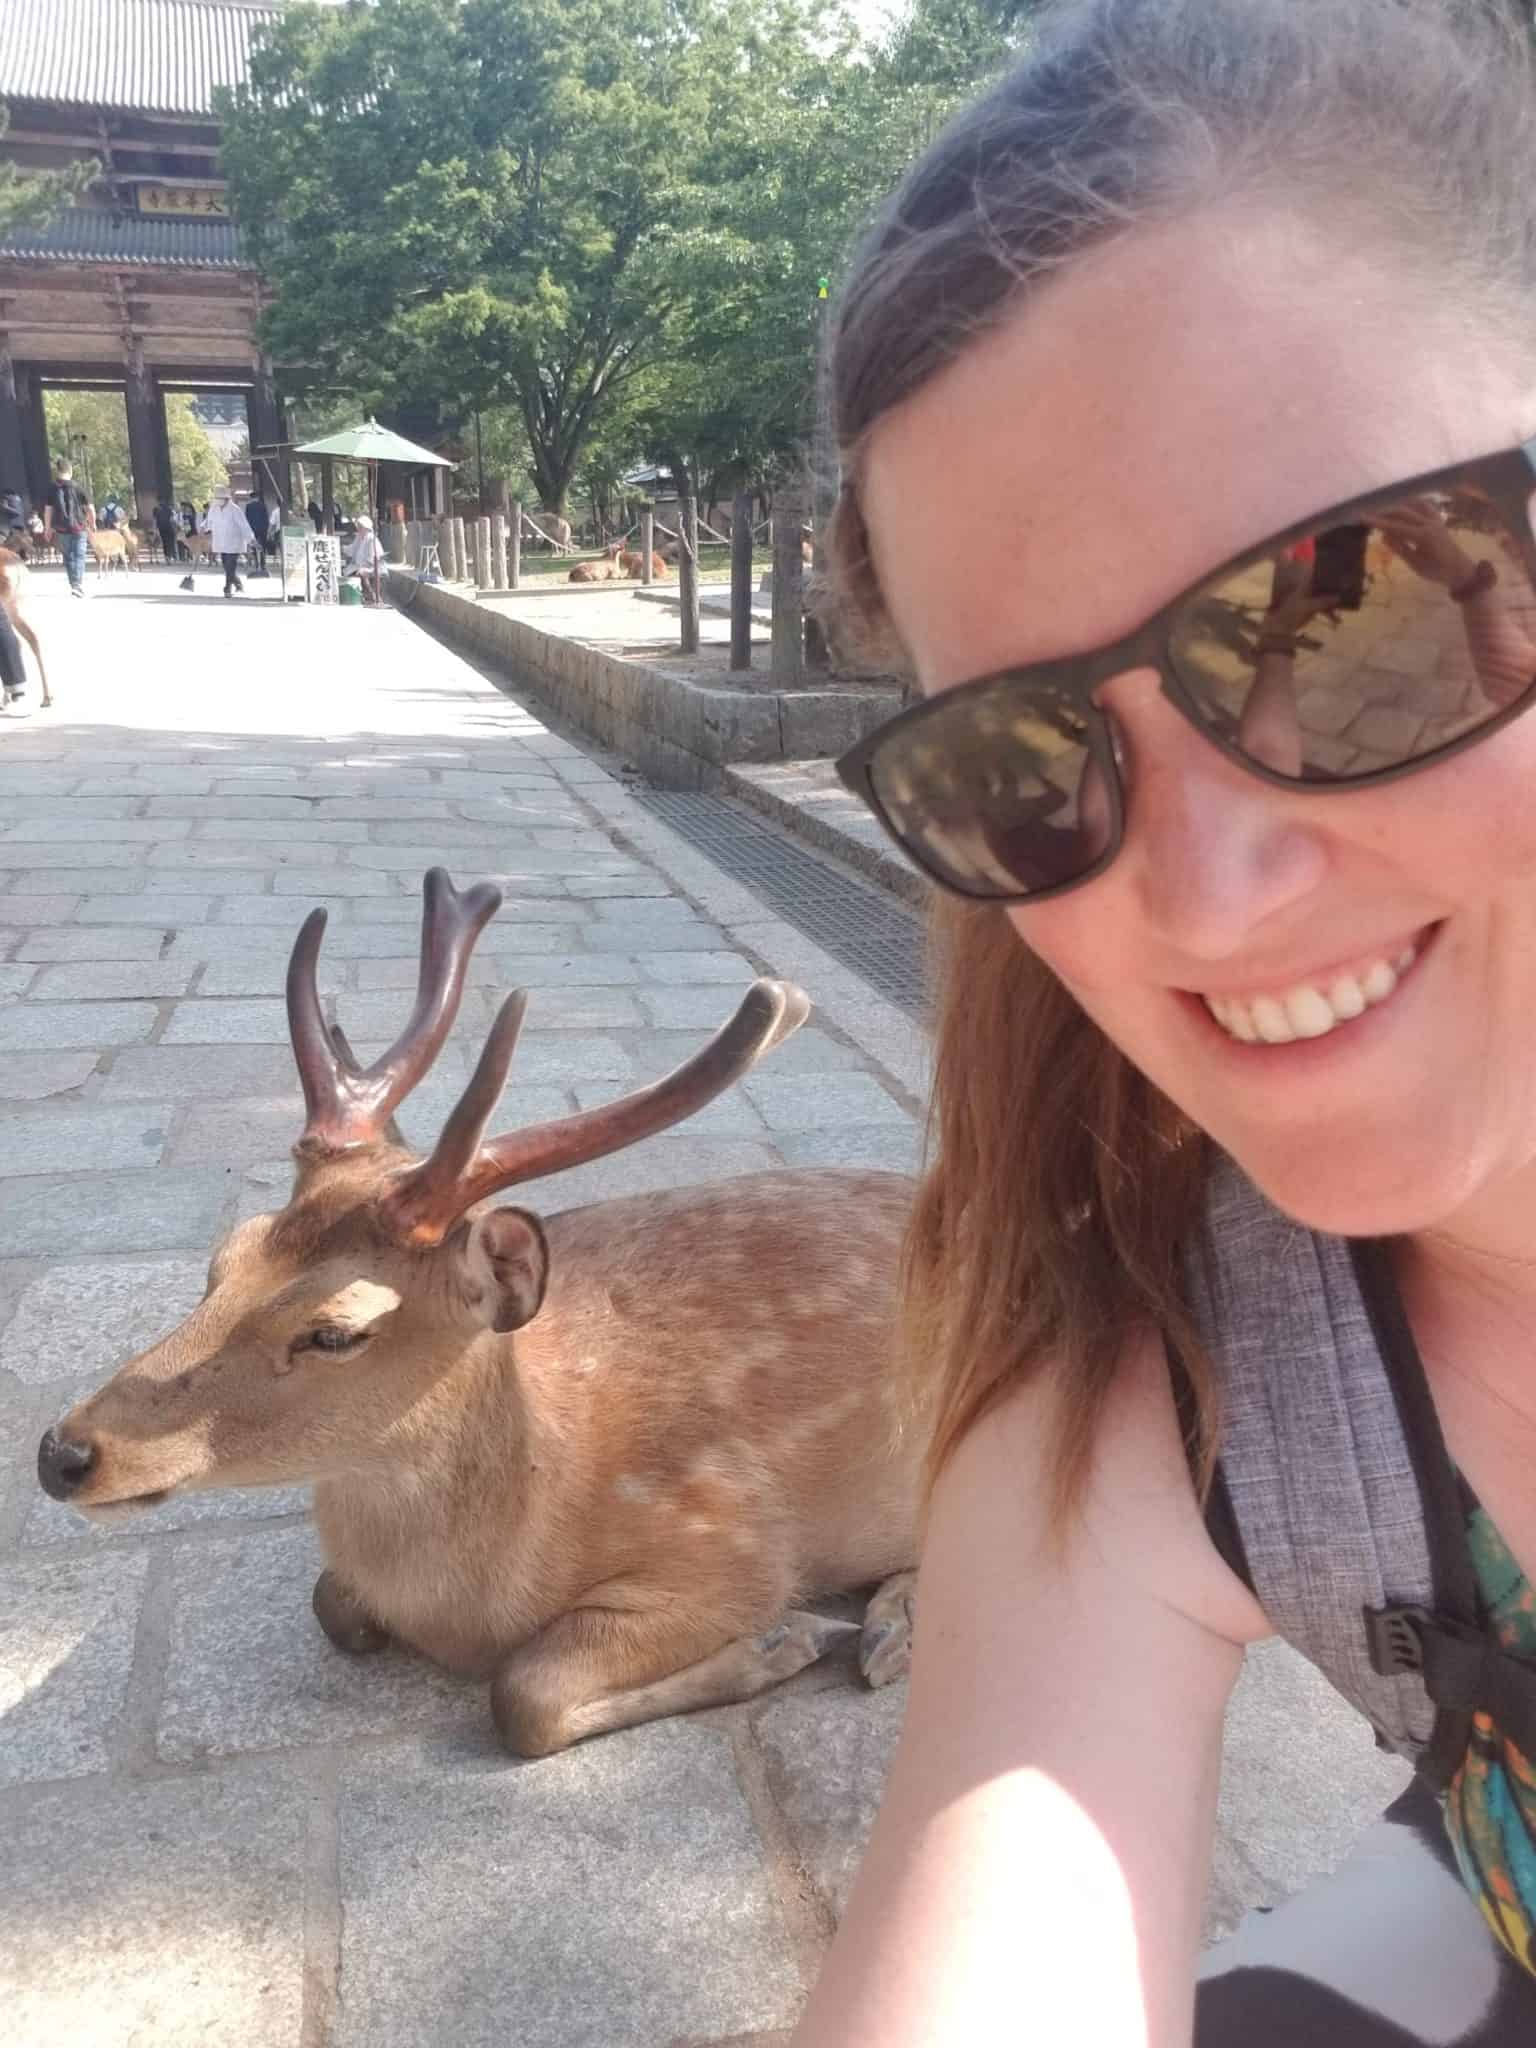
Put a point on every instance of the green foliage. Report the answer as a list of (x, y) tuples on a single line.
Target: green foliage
[(103, 463), (31, 199), (603, 225)]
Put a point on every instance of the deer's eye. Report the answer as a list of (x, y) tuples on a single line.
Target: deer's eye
[(332, 1338)]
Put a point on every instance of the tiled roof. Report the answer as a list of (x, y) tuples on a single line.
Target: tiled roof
[(92, 235), (155, 56)]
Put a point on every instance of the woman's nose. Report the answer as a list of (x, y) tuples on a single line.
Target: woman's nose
[(1212, 852)]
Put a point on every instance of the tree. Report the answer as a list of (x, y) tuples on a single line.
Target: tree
[(495, 192), (90, 429), (31, 199)]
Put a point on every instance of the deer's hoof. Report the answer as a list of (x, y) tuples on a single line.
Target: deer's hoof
[(799, 1639), (885, 1641), (345, 1620)]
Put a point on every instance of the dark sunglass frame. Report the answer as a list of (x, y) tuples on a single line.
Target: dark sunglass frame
[(1507, 479)]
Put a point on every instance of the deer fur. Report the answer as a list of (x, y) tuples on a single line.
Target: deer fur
[(605, 571), (599, 1461), (114, 548), (13, 578)]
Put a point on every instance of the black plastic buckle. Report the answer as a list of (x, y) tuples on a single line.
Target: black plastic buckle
[(1395, 1637)]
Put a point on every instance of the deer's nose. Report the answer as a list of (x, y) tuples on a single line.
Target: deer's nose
[(62, 1464)]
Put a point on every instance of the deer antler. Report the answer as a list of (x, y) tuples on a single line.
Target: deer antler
[(346, 1107), (426, 1200)]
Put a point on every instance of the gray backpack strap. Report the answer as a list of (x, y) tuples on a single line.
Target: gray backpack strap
[(1324, 1485)]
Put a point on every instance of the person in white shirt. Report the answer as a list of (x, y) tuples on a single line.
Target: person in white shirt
[(230, 536), (365, 559)]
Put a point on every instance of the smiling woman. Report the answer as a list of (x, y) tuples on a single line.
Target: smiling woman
[(1201, 344)]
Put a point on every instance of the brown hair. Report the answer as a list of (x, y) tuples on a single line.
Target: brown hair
[(1060, 1182)]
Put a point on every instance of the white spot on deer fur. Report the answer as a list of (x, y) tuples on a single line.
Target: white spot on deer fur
[(361, 1301), (628, 1487)]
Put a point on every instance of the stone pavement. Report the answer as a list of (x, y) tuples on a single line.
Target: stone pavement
[(216, 1829)]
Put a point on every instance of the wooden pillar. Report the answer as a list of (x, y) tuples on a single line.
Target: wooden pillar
[(13, 454), (141, 399), (741, 580), (788, 586), (688, 571), (328, 493), (483, 552), (399, 540), (515, 546), (264, 421), (440, 494), (460, 556), (34, 435), (498, 550), (647, 543), (164, 474), (445, 549)]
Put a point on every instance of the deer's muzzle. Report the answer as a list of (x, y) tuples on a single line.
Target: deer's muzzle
[(63, 1464)]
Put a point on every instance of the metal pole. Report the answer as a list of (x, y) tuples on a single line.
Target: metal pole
[(741, 580)]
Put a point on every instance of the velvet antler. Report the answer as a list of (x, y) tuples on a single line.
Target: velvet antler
[(465, 1166), (347, 1108)]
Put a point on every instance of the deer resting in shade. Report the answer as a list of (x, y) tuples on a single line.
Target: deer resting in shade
[(601, 1460)]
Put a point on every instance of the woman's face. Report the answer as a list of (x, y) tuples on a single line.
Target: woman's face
[(1164, 404)]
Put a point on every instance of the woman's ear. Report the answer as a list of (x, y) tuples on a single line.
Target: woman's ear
[(507, 1255)]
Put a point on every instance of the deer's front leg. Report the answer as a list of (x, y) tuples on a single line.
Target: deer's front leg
[(885, 1642), (344, 1618), (587, 1674)]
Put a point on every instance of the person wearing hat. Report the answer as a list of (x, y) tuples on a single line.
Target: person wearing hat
[(229, 536), (365, 558)]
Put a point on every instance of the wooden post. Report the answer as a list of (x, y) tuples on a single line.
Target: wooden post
[(515, 546), (445, 550), (788, 586), (328, 494), (460, 552), (498, 550), (647, 543), (399, 541), (741, 580), (688, 570), (483, 552)]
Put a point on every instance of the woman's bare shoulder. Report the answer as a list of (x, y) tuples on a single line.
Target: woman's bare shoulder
[(1139, 1511)]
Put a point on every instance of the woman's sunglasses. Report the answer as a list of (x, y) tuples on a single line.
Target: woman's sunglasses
[(1371, 640)]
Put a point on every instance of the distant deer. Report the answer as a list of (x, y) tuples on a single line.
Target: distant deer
[(13, 578), (632, 562), (114, 548), (613, 1514), (605, 571)]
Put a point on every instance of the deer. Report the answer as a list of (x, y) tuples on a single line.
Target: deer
[(632, 563), (607, 570), (13, 577), (600, 1460), (114, 548)]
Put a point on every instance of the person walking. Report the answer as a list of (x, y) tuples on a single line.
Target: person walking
[(1219, 1295), (64, 516), (229, 536), (168, 526), (259, 520)]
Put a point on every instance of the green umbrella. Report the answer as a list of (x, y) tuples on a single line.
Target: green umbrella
[(372, 443)]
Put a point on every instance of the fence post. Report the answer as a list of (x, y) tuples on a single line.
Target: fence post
[(460, 552), (499, 550), (515, 546), (788, 586), (688, 570), (397, 541), (483, 552), (647, 543), (741, 580)]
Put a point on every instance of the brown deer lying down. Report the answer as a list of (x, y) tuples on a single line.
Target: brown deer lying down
[(13, 576), (611, 1514)]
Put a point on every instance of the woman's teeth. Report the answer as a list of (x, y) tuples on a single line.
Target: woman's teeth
[(1311, 1010)]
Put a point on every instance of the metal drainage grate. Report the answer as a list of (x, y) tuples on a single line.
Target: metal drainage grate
[(855, 922)]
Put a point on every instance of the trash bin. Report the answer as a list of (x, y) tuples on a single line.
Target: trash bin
[(351, 593)]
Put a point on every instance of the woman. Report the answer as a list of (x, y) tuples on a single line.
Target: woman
[(1203, 346), (228, 536)]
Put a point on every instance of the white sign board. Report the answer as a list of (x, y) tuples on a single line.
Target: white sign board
[(322, 565)]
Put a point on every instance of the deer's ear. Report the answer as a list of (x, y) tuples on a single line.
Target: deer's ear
[(508, 1250)]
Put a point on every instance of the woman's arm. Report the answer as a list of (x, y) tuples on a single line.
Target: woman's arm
[(1039, 1866)]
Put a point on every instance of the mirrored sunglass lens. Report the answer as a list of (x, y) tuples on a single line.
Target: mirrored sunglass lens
[(1372, 643), (997, 793)]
